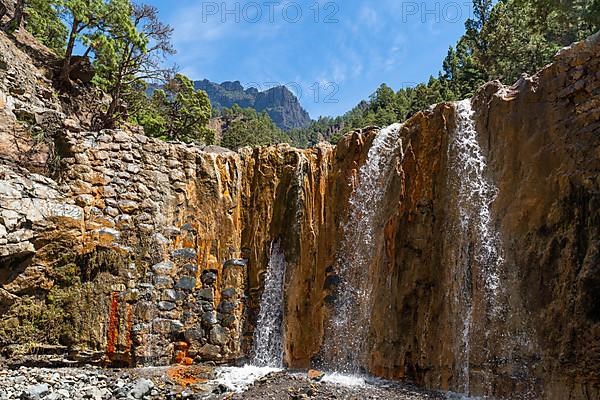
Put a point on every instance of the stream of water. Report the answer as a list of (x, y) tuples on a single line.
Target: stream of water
[(267, 348), (474, 195), (268, 344), (349, 327)]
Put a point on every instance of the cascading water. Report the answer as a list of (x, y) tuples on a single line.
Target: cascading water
[(268, 345), (344, 344), (474, 195)]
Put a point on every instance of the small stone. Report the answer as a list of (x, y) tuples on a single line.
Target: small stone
[(332, 281), (227, 307), (176, 326), (84, 200), (101, 155), (169, 295), (163, 282), (171, 232), (315, 375), (146, 286), (159, 239), (194, 334), (184, 254), (164, 268), (190, 269), (219, 335), (133, 169), (205, 294), (127, 206), (111, 211), (121, 137), (235, 262), (72, 125), (107, 235), (141, 388), (186, 283), (35, 392), (209, 352), (209, 318), (209, 277), (166, 305), (207, 306)]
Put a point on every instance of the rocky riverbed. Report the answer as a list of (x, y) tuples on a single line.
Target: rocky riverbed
[(103, 384), (193, 382), (282, 385)]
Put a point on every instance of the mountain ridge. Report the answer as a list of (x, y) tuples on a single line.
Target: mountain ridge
[(278, 102)]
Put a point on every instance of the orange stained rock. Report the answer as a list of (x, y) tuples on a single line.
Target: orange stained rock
[(188, 375), (182, 346), (113, 324), (315, 375)]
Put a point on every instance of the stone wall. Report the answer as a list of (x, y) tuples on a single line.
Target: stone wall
[(181, 232)]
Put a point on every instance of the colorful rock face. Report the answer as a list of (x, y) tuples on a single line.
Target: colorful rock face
[(156, 253)]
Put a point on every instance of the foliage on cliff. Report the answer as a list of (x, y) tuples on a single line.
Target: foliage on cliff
[(177, 111), (246, 127), (45, 24), (129, 58), (128, 45)]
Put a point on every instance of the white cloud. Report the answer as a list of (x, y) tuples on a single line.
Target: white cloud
[(368, 16)]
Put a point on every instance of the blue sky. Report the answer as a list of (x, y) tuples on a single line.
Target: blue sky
[(332, 54)]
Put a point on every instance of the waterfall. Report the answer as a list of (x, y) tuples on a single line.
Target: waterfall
[(344, 345), (474, 195), (268, 345)]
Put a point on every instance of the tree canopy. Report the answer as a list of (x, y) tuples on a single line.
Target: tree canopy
[(246, 127), (177, 112)]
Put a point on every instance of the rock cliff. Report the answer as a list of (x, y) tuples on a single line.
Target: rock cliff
[(136, 251)]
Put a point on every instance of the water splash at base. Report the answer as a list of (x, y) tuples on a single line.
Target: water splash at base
[(238, 379)]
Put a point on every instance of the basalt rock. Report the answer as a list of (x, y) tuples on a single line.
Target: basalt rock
[(144, 245)]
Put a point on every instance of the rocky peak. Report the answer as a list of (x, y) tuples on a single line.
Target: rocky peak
[(279, 102)]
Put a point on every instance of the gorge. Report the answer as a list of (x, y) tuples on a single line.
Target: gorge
[(458, 250)]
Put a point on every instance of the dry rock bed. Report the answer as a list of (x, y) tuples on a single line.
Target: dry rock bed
[(282, 385), (193, 382)]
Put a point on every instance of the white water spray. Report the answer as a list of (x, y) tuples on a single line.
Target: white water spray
[(344, 346), (268, 345), (474, 196)]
